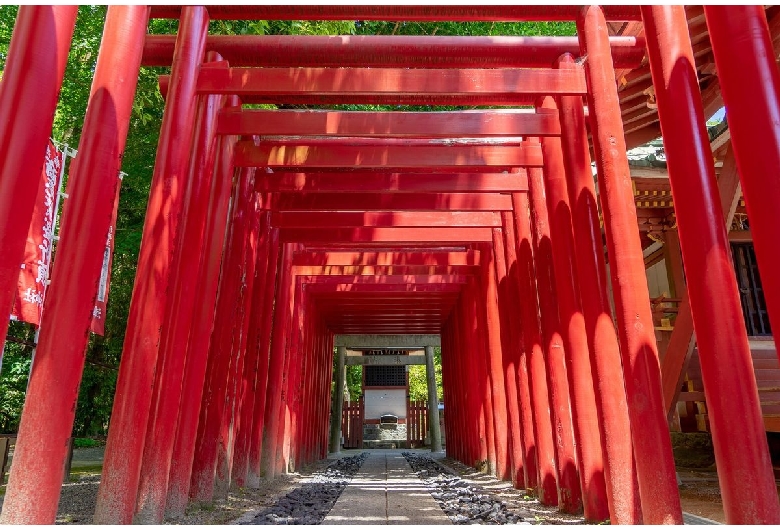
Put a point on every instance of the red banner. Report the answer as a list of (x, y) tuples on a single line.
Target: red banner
[(34, 275), (98, 324)]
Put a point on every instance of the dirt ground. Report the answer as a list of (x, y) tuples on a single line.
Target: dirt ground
[(694, 457), (695, 461)]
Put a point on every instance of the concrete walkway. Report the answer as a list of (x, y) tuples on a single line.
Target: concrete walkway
[(386, 491)]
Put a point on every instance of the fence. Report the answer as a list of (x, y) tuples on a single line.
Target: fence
[(416, 423), (352, 424)]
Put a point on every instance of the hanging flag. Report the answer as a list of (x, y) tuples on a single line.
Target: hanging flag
[(34, 276), (98, 325)]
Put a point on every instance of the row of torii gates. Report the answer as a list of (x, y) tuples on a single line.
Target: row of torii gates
[(269, 231)]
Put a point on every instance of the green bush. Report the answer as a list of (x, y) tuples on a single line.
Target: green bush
[(85, 442)]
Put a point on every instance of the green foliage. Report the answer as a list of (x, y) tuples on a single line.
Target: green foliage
[(418, 382), (85, 442), (13, 378), (355, 382), (104, 353)]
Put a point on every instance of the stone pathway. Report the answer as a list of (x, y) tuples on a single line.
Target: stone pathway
[(386, 491)]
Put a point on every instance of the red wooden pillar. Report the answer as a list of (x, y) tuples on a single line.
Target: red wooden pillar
[(259, 420), (36, 476), (460, 442), (317, 352), (481, 404), (273, 404), (310, 367), (488, 300), (32, 78), (124, 448), (230, 415), (289, 374), (585, 415), (293, 374), (542, 458), (520, 354), (525, 290), (223, 344), (326, 371), (202, 325), (727, 369), (655, 465), (177, 323), (250, 382), (570, 492), (602, 339), (750, 83), (509, 366)]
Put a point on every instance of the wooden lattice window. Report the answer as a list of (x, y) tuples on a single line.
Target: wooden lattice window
[(751, 291)]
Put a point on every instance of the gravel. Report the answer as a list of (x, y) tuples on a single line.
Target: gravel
[(518, 501), (311, 502), (463, 503)]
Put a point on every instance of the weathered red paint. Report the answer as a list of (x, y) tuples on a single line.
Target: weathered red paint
[(35, 66), (395, 202), (124, 447), (584, 414), (36, 476), (509, 364), (273, 405), (365, 124), (749, 81), (350, 257), (531, 455), (177, 323), (611, 403), (210, 449), (379, 51), (385, 235), (449, 158), (264, 345), (292, 373), (472, 84), (558, 481), (649, 430), (493, 355), (483, 402), (251, 379), (385, 219), (507, 13), (724, 352), (364, 181), (202, 325), (232, 407)]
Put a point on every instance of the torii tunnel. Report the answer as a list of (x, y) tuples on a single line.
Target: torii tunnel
[(270, 231)]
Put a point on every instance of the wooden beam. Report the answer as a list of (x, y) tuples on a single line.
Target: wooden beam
[(382, 51), (419, 13), (372, 181), (443, 158), (413, 86), (466, 124), (392, 202), (385, 219), (470, 257), (386, 235)]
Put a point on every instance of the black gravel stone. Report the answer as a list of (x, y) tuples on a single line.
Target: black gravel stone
[(463, 503), (311, 502)]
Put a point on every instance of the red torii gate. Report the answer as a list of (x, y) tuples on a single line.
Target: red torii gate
[(449, 227)]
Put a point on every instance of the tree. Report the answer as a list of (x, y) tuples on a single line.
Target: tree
[(104, 353)]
